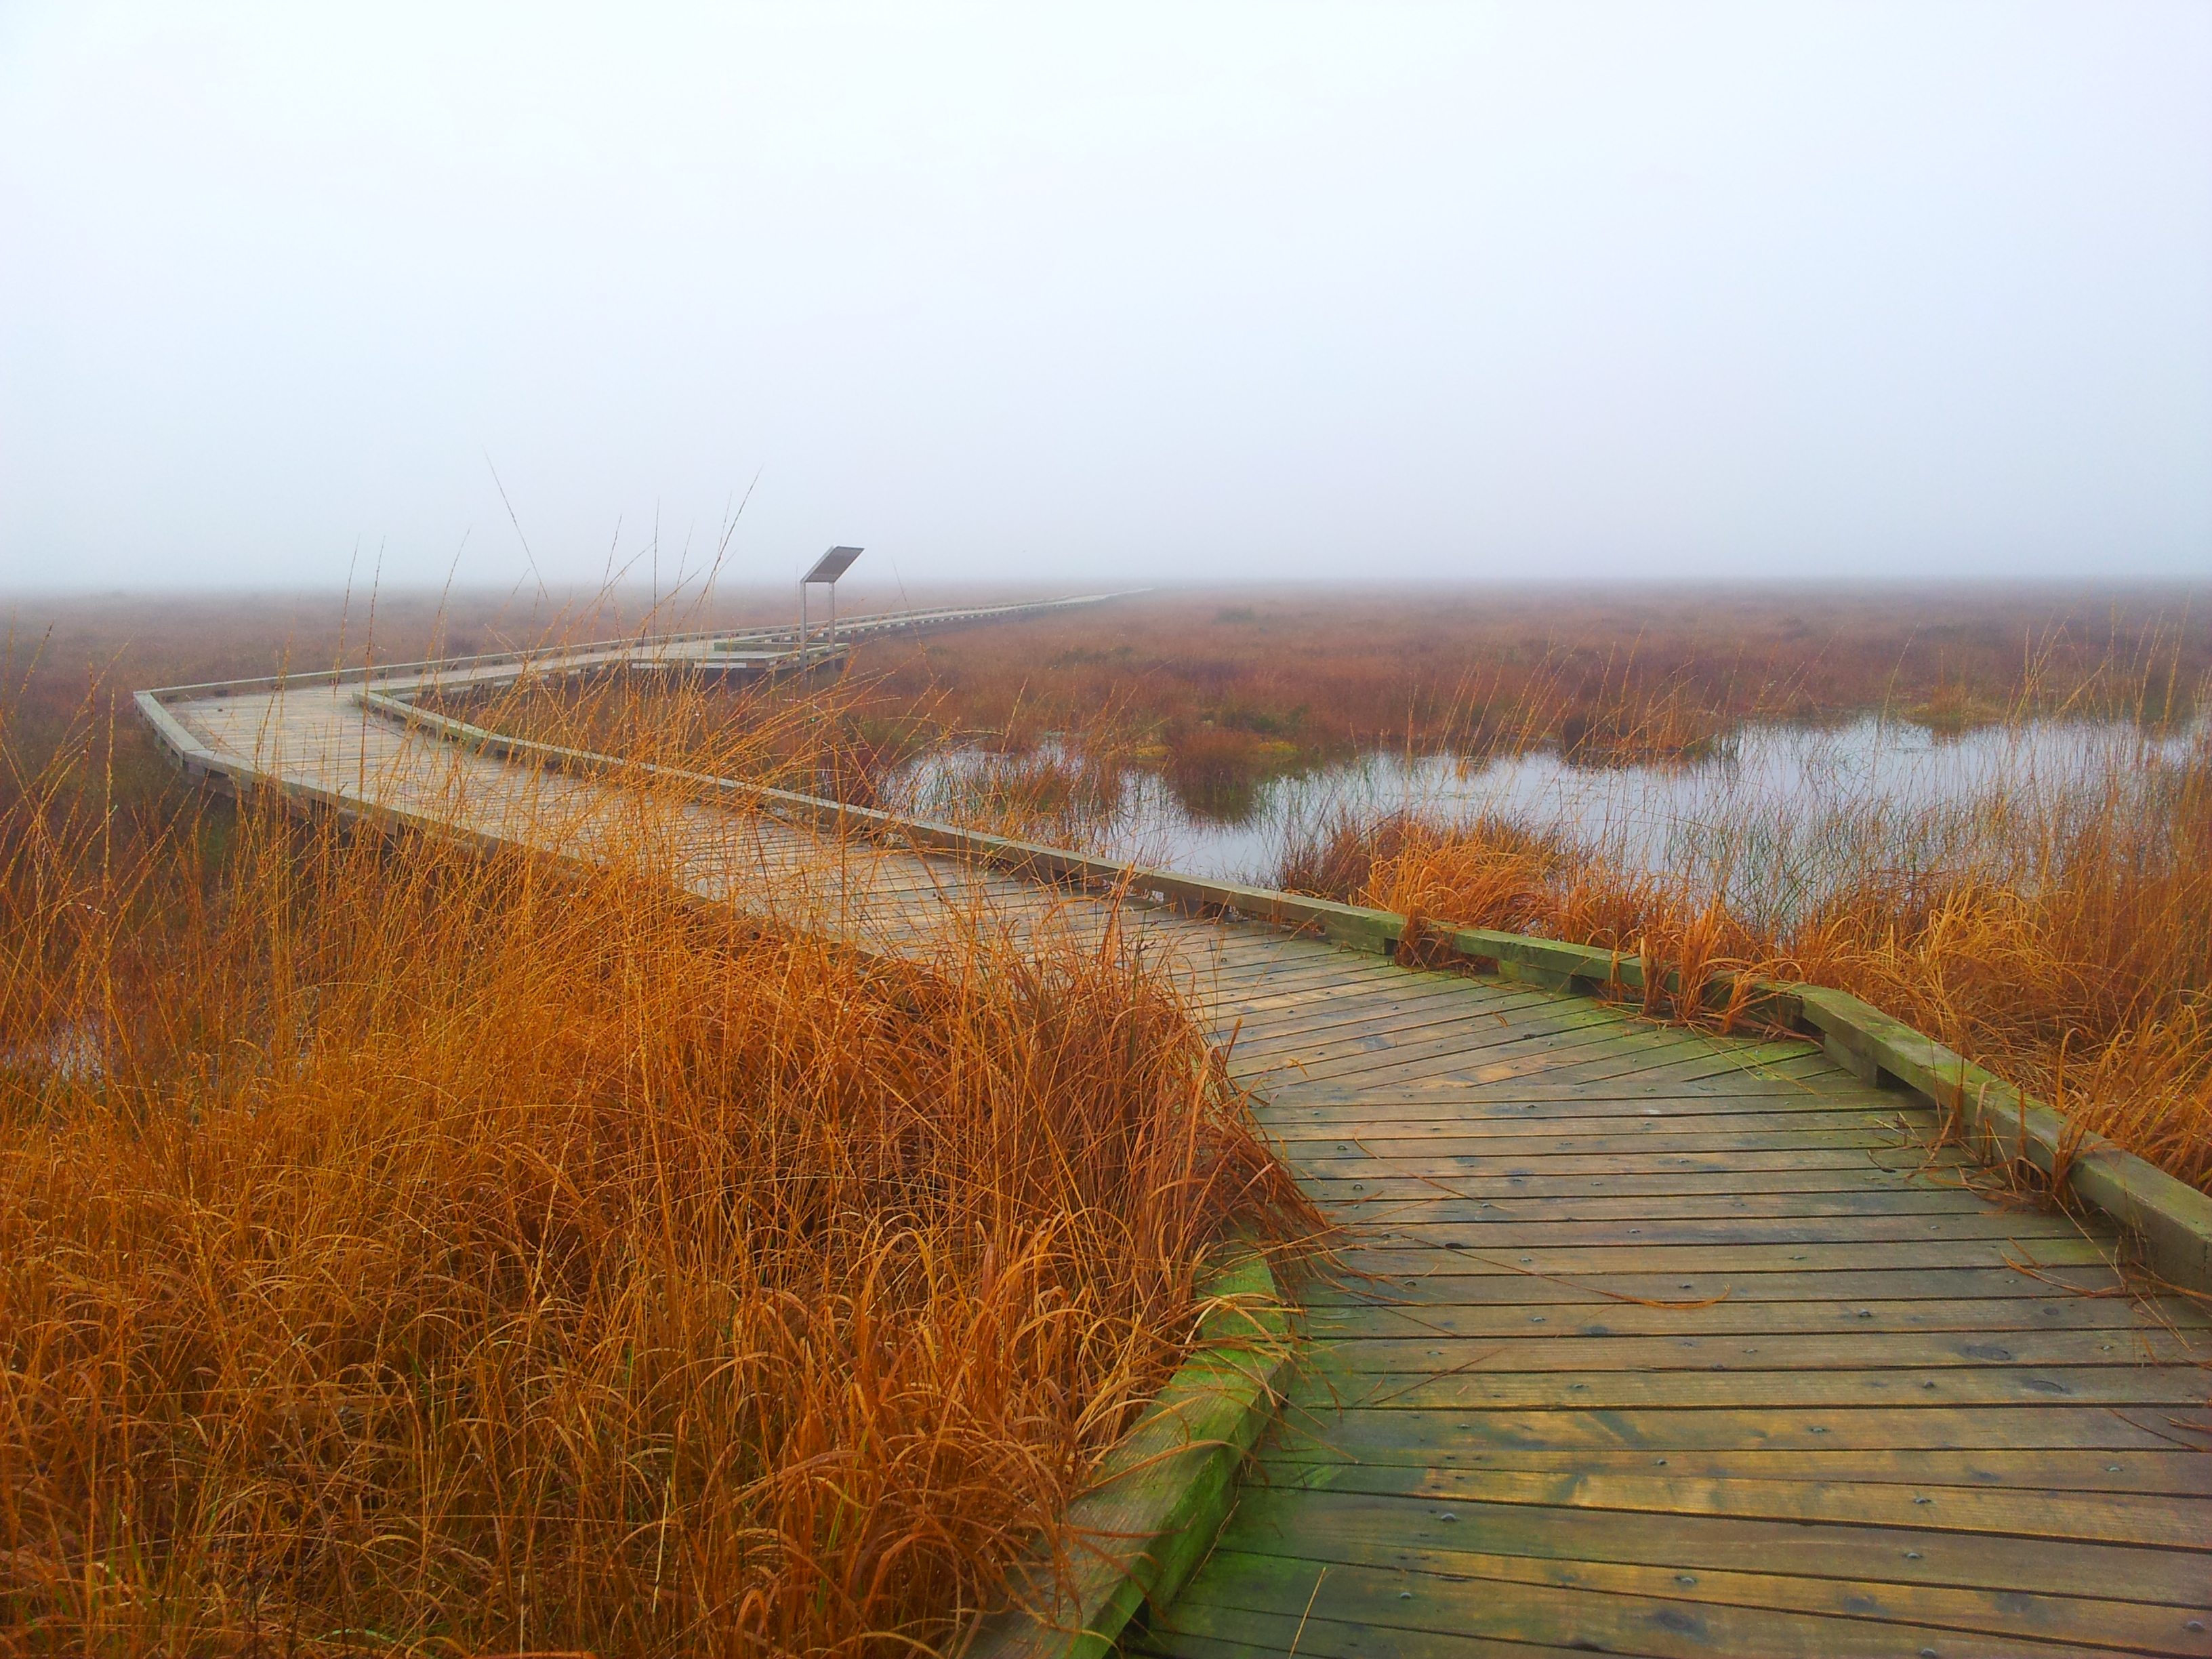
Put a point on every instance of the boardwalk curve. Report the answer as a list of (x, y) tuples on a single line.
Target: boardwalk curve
[(1640, 1340)]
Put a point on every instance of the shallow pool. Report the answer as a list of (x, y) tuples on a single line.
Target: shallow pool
[(1762, 782)]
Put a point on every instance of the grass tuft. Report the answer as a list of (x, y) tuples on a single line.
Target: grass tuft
[(406, 1249)]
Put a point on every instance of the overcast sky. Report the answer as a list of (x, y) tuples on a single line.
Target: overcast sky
[(1106, 291)]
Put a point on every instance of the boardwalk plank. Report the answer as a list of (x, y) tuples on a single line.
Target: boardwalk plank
[(1504, 1282), (1327, 1389), (1443, 1205), (1380, 1440), (1276, 1522), (1749, 1432), (1418, 1593), (2151, 1521), (1855, 1350), (1368, 1315), (1621, 1608)]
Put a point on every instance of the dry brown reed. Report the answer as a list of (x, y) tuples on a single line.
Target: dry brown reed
[(825, 733), (1221, 697), (410, 1250), (1225, 689)]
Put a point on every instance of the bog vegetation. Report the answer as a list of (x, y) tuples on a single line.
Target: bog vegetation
[(1219, 697), (409, 1250), (2057, 929), (1221, 691)]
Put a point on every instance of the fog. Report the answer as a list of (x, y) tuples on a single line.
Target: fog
[(1072, 295)]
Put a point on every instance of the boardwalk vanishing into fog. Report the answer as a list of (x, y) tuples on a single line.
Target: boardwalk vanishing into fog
[(1640, 1340)]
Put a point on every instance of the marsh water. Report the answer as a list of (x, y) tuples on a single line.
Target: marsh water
[(1766, 796)]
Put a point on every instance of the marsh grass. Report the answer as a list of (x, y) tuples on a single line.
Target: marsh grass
[(408, 1249), (1222, 699), (1224, 689), (831, 736)]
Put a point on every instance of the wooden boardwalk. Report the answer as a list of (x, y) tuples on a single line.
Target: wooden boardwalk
[(1641, 1341)]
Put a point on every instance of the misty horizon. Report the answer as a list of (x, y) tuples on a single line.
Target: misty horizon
[(1695, 293)]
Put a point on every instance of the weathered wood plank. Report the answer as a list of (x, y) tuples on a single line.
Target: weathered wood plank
[(1318, 1021), (1385, 1441), (1566, 1042), (1366, 1315), (1293, 1524), (1566, 1348), (1656, 1147), (1505, 1287), (1719, 1266), (1532, 1163), (1814, 1108), (1450, 1604), (1330, 1173), (1323, 1389), (1446, 1206), (1574, 1431), (2152, 1520), (1443, 1090), (1645, 1118), (1499, 1228), (1614, 1607)]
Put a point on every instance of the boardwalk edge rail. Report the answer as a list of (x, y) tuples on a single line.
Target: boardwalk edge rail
[(2170, 1220), (1158, 1499), (646, 649)]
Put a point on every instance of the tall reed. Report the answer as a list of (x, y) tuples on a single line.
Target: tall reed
[(1224, 694), (412, 1249)]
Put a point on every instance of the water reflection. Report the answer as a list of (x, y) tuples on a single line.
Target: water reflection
[(1764, 787)]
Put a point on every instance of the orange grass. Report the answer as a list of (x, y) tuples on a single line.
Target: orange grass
[(411, 1250), (1222, 696), (1225, 687), (2060, 934)]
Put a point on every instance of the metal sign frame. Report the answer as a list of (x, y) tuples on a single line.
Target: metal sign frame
[(827, 569)]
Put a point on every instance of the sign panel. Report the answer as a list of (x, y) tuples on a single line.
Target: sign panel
[(832, 564)]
